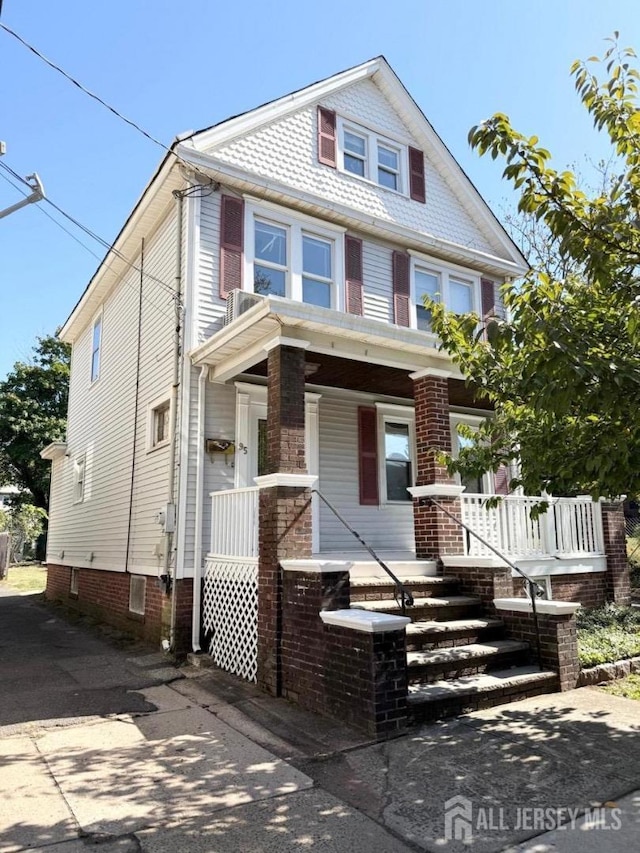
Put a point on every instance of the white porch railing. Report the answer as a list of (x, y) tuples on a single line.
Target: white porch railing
[(570, 527), (234, 523)]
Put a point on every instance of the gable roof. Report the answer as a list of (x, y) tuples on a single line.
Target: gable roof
[(166, 177), (378, 70)]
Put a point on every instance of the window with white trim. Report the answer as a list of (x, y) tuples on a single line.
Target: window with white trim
[(473, 485), (396, 452), (372, 156), (74, 582), (96, 344), (295, 257), (458, 289), (159, 421), (79, 466)]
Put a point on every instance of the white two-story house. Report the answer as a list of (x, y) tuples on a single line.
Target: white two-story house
[(257, 333)]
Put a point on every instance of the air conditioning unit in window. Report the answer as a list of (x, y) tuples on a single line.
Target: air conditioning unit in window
[(238, 302)]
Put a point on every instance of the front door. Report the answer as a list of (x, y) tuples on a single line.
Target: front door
[(251, 441)]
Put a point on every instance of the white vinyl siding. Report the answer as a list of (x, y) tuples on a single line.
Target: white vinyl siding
[(101, 425), (387, 527)]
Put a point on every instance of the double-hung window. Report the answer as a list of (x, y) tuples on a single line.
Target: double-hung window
[(296, 257), (372, 156), (396, 452), (457, 289), (78, 479)]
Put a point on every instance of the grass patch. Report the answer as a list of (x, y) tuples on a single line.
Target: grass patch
[(608, 634), (628, 687), (26, 578)]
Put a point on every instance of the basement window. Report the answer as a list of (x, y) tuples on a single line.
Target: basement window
[(74, 582), (137, 592)]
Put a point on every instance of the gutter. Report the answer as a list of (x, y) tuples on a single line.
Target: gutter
[(197, 545)]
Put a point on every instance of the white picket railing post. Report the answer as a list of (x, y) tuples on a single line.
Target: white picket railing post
[(234, 522), (570, 527)]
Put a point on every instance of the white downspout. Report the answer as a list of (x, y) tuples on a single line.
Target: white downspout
[(197, 545)]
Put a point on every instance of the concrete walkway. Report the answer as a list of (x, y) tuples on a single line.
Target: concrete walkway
[(103, 742)]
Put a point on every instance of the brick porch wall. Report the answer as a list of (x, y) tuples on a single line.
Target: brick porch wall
[(105, 595), (435, 534), (615, 546), (349, 675), (589, 589), (558, 642)]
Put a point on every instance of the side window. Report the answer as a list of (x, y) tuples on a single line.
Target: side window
[(96, 344), (78, 479), (159, 420)]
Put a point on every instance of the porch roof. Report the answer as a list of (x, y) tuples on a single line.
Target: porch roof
[(242, 344)]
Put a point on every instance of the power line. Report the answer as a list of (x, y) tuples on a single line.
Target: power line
[(100, 100), (108, 246), (91, 252)]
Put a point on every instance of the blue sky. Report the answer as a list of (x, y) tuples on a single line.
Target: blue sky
[(179, 66)]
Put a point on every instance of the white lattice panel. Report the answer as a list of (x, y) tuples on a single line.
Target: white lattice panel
[(230, 614)]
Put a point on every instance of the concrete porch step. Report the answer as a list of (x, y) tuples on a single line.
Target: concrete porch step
[(470, 659), (428, 634), (375, 588), (449, 606), (473, 692)]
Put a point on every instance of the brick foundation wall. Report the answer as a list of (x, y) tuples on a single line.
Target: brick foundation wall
[(589, 589), (105, 595), (353, 676), (558, 642)]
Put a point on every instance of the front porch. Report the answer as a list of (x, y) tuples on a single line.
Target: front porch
[(347, 432)]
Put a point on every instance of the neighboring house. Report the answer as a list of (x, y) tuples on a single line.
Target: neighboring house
[(7, 493), (302, 236)]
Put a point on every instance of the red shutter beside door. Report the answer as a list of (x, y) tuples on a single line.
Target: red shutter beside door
[(231, 244), (368, 455), (401, 289), (327, 148), (417, 189), (353, 274)]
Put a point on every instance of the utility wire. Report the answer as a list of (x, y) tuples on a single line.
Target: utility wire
[(100, 100), (108, 246), (42, 210)]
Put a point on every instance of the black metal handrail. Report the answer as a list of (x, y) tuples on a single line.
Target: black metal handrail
[(533, 586), (403, 596)]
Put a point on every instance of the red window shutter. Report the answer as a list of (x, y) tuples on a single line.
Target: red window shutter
[(353, 274), (368, 455), (327, 148), (416, 175), (501, 480), (231, 244), (488, 295), (401, 289)]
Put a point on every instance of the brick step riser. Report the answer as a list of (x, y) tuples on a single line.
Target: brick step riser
[(428, 673), (441, 709), (433, 613), (430, 642), (379, 593)]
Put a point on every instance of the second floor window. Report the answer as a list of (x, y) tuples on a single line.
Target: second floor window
[(96, 342), (296, 259), (457, 289)]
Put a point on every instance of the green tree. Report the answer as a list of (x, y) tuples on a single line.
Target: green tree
[(24, 524), (563, 371), (33, 413)]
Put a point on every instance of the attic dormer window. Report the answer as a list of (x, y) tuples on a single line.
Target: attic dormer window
[(373, 157)]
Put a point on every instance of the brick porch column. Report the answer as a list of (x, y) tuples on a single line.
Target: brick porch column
[(615, 548), (285, 500), (435, 534)]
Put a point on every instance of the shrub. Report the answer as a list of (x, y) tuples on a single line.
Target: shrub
[(607, 634)]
